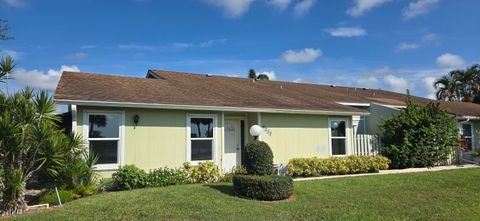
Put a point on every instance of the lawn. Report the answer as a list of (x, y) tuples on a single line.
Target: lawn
[(445, 195)]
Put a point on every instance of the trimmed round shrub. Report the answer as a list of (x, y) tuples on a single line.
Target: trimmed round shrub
[(259, 158), (270, 188), (129, 177)]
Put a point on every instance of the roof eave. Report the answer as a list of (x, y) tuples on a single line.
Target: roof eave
[(209, 108)]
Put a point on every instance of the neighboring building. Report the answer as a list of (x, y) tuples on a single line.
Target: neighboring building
[(169, 118)]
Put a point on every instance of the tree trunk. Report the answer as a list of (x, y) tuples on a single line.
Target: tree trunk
[(13, 194)]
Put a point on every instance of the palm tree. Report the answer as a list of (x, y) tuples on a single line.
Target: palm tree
[(252, 74), (7, 64), (448, 87), (460, 85)]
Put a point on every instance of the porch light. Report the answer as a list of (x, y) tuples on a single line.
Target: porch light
[(256, 131), (136, 119)]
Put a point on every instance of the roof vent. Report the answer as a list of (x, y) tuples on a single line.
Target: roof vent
[(364, 88), (332, 85), (209, 75)]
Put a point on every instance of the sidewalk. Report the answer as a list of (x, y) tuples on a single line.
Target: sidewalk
[(395, 171)]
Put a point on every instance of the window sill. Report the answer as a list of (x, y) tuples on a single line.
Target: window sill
[(102, 167), (195, 163)]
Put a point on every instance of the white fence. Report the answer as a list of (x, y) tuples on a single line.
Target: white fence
[(366, 144)]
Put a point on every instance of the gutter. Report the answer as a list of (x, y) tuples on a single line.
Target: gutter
[(209, 108)]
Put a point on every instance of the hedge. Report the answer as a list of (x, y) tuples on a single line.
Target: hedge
[(308, 167), (269, 188)]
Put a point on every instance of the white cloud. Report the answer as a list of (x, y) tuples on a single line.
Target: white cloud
[(427, 39), (87, 46), (397, 84), (369, 81), (15, 3), (212, 42), (14, 54), (40, 79), (419, 7), (363, 6), (180, 45), (232, 8), (382, 71), (428, 84), (138, 47), (404, 46), (303, 7), (270, 74), (79, 56), (346, 31), (298, 80), (450, 60), (280, 4), (303, 56)]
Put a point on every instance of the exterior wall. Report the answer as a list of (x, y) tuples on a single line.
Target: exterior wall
[(158, 140), (377, 112), (292, 136)]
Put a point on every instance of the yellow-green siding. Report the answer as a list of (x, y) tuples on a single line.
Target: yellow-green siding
[(300, 135), (160, 138)]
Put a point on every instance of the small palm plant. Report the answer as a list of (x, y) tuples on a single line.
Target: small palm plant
[(29, 141), (7, 65)]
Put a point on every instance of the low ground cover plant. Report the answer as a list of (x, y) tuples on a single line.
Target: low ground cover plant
[(310, 167)]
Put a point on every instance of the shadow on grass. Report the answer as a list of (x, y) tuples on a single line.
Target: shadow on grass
[(223, 188)]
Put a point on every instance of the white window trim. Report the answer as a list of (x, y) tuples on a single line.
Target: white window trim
[(472, 136), (121, 138), (330, 137), (188, 151)]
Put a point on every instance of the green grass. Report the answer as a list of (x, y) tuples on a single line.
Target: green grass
[(445, 195)]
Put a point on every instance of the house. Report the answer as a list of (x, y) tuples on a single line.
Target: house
[(168, 118)]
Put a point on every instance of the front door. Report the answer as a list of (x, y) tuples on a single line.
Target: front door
[(231, 154)]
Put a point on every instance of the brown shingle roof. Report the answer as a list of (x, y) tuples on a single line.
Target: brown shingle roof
[(204, 90)]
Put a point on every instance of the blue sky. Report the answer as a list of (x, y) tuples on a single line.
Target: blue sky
[(388, 44)]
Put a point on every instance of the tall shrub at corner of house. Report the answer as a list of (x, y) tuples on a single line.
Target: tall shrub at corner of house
[(259, 158), (129, 177), (420, 136)]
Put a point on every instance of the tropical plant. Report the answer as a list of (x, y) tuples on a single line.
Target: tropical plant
[(7, 64), (459, 85), (420, 136), (28, 130)]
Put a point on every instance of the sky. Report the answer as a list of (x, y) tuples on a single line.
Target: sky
[(389, 44)]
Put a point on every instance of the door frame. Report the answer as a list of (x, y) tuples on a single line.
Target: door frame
[(239, 119)]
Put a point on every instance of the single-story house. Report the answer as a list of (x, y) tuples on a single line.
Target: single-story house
[(168, 118)]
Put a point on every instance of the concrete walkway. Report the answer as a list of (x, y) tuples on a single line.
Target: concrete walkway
[(396, 171)]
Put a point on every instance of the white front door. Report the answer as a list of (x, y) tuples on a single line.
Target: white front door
[(231, 153)]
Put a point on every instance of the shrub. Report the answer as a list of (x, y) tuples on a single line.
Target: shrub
[(206, 172), (307, 167), (419, 136), (259, 158), (129, 177), (263, 187), (84, 191), (166, 177), (50, 196)]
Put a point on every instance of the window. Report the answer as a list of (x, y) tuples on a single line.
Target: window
[(104, 138), (201, 138), (467, 135), (338, 137)]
